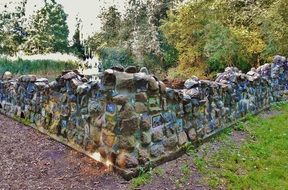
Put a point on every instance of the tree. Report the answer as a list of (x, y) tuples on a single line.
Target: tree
[(12, 31), (210, 35), (49, 30), (77, 47)]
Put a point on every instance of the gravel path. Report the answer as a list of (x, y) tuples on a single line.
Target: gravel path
[(31, 160)]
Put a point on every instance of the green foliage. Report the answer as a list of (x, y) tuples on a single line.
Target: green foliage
[(137, 33), (258, 163), (12, 32), (211, 35), (48, 32), (41, 67), (142, 179), (115, 56)]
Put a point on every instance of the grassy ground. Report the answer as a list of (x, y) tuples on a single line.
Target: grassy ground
[(260, 161), (45, 68), (252, 155)]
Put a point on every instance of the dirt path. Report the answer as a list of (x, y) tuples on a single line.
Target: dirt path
[(31, 160)]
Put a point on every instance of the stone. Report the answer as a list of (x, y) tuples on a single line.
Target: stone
[(193, 93), (143, 156), (144, 70), (111, 108), (108, 138), (68, 76), (279, 59), (118, 68), (192, 134), (131, 69), (127, 111), (75, 82), (126, 142), (182, 138), (145, 123), (162, 87), (141, 82), (157, 150), (27, 78), (124, 81), (153, 84), (129, 126), (157, 134), (140, 107), (109, 79), (192, 82), (146, 138), (120, 99), (141, 97), (7, 76), (83, 89), (171, 142), (124, 160), (95, 107)]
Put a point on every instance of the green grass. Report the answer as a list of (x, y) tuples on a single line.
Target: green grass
[(261, 162), (142, 179), (45, 68)]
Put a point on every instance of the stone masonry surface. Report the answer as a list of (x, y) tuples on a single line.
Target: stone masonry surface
[(130, 120)]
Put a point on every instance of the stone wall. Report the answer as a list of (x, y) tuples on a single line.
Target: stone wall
[(130, 120)]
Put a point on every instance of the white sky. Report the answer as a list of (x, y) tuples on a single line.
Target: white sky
[(88, 10)]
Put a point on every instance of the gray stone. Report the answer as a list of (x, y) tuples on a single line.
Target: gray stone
[(171, 142), (192, 134), (157, 134), (153, 84), (83, 89), (182, 138), (27, 78), (144, 70), (7, 76), (192, 82), (131, 69), (157, 150), (146, 138)]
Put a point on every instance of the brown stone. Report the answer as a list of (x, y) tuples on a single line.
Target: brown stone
[(108, 138), (141, 97), (140, 107), (125, 160), (120, 99), (129, 126), (69, 75)]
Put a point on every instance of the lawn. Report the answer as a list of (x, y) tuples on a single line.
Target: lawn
[(259, 161)]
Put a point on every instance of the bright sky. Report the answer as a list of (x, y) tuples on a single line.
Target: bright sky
[(88, 10)]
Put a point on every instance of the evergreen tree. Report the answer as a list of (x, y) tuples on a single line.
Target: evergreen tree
[(77, 47)]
